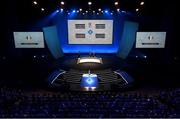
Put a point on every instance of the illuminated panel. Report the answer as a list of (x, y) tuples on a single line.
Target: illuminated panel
[(95, 31), (150, 39), (89, 60), (29, 39), (89, 81)]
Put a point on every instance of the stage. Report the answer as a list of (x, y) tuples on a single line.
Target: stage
[(69, 61)]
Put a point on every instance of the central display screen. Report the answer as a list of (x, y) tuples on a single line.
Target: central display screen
[(90, 31)]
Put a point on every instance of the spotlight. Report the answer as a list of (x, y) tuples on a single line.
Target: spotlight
[(93, 11), (80, 9), (77, 11), (136, 56), (57, 11), (118, 10), (68, 13), (74, 11), (137, 10), (62, 3), (145, 56), (97, 13), (111, 13), (35, 2), (123, 11), (34, 56), (83, 13), (62, 9), (86, 11), (106, 11), (42, 9), (116, 3), (99, 9), (142, 3), (89, 3)]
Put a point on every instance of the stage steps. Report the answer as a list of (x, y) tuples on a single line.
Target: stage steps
[(104, 76)]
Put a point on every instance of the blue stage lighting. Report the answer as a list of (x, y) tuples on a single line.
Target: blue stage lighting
[(74, 11), (57, 11), (62, 10), (145, 56), (123, 11), (89, 80), (106, 11)]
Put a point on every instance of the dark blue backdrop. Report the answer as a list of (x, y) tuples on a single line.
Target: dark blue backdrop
[(61, 21)]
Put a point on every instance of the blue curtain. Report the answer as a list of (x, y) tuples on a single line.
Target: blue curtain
[(128, 39), (52, 41)]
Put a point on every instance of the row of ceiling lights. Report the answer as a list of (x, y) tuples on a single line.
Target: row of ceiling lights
[(89, 3)]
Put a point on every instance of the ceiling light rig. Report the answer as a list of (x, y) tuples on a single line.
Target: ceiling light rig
[(83, 12)]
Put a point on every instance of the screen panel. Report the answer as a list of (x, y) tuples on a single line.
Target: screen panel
[(29, 39), (150, 39), (90, 31)]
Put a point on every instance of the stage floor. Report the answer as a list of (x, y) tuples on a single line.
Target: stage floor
[(110, 61), (31, 72)]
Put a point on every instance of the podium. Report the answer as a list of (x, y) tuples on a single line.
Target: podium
[(89, 60)]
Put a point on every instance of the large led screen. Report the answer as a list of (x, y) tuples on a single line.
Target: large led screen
[(90, 31)]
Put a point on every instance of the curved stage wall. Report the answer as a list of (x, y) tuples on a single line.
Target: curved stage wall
[(52, 41), (119, 35), (62, 26)]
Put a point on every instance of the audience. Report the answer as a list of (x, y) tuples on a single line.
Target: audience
[(20, 103)]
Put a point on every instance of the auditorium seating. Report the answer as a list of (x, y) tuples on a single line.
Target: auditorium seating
[(24, 103)]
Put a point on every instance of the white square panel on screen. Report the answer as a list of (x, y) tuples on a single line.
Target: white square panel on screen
[(150, 39), (90, 31), (29, 39)]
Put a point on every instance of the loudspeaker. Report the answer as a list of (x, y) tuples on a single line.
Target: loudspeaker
[(52, 41), (128, 39)]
